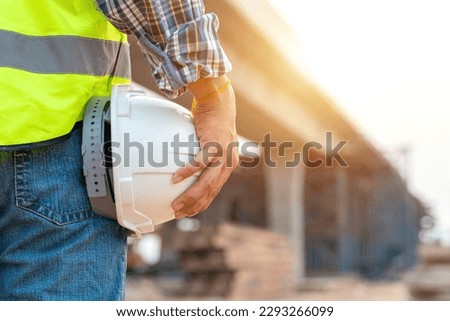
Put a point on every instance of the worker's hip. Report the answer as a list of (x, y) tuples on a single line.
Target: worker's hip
[(52, 246), (49, 181)]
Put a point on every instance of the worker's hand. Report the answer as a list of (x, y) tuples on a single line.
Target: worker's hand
[(214, 120)]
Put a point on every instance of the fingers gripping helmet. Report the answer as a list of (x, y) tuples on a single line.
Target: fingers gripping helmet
[(133, 143)]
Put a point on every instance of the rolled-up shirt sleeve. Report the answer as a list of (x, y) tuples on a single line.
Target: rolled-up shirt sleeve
[(178, 39)]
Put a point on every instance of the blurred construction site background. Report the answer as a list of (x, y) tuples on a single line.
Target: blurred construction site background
[(293, 230)]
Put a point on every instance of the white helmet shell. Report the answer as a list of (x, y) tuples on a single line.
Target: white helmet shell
[(152, 138)]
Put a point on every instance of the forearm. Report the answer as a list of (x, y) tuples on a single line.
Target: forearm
[(214, 120)]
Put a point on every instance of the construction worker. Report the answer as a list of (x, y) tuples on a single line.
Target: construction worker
[(54, 56)]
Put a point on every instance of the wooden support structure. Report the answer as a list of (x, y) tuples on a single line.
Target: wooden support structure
[(431, 279), (235, 263), (353, 221)]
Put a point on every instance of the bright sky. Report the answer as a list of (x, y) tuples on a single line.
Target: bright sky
[(386, 63)]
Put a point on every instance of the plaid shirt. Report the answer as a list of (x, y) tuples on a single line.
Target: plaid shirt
[(176, 36)]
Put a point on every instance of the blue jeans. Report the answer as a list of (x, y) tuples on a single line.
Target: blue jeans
[(52, 246)]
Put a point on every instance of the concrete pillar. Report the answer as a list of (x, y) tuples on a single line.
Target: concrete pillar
[(285, 210)]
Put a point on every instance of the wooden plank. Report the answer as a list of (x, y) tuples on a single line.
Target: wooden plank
[(238, 284), (247, 284), (227, 236), (219, 260), (434, 254), (430, 282), (217, 266), (209, 284)]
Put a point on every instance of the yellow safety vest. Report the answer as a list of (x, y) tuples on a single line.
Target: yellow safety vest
[(54, 56)]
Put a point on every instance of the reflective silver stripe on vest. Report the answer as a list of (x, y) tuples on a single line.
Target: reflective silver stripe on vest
[(64, 55)]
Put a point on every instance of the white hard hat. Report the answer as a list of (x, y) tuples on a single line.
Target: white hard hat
[(151, 138)]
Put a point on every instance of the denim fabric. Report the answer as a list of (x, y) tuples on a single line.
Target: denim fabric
[(52, 246)]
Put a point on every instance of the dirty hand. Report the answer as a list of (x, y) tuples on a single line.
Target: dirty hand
[(214, 120)]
